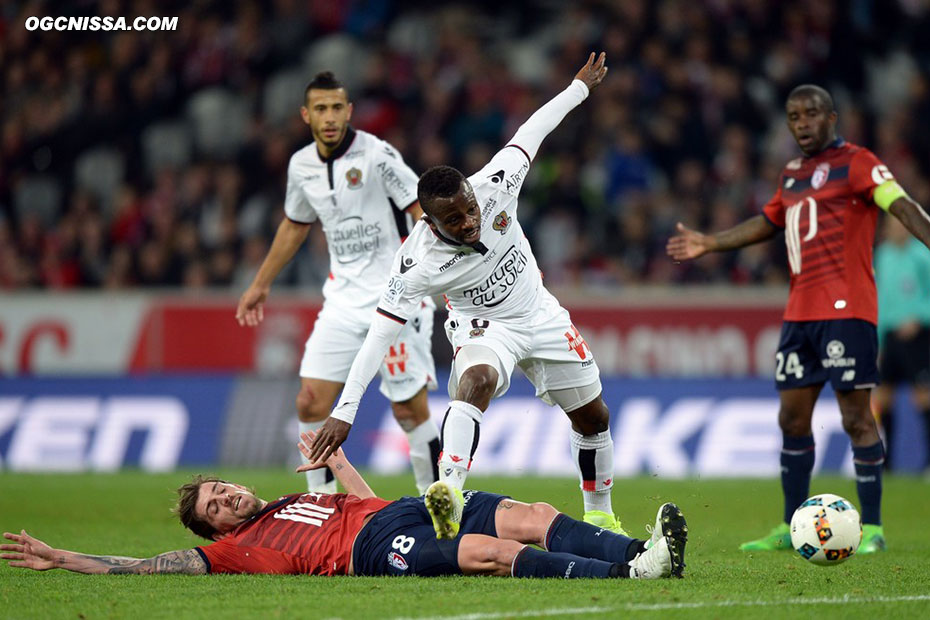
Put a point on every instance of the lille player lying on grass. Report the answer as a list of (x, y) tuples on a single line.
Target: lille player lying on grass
[(360, 534)]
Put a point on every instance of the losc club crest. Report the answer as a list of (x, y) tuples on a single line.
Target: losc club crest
[(501, 222), (397, 560), (354, 178), (821, 174)]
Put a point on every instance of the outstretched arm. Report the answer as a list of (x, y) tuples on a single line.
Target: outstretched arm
[(914, 218), (688, 244), (30, 552), (335, 430), (531, 133), (344, 471)]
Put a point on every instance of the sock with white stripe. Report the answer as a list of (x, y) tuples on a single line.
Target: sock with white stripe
[(318, 480), (460, 430), (594, 457)]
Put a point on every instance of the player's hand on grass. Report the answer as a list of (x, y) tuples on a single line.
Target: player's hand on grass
[(328, 439), (306, 440), (593, 72), (687, 244), (28, 552), (251, 306)]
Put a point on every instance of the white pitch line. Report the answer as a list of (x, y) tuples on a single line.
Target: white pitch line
[(844, 600)]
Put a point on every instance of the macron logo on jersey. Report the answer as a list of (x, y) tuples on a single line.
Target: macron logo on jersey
[(450, 262), (406, 264)]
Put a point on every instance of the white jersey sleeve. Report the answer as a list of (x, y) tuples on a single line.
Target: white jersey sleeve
[(398, 180), (407, 286), (508, 168), (382, 333), (296, 205)]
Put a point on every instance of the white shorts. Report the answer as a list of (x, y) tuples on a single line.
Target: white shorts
[(547, 347), (338, 335)]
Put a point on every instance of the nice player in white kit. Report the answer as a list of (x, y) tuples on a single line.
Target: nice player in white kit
[(471, 248), (360, 190)]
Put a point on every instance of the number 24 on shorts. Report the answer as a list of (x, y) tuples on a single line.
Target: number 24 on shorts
[(789, 365)]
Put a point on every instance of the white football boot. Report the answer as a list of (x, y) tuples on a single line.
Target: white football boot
[(665, 550)]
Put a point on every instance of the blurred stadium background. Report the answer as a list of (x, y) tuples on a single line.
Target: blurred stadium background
[(142, 177)]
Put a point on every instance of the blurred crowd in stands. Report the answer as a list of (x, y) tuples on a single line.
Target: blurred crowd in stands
[(140, 159)]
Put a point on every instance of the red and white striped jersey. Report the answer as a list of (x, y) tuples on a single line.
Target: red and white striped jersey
[(824, 204), (303, 533)]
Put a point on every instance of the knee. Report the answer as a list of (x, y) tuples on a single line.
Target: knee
[(408, 415), (858, 423), (591, 419), (477, 384), (309, 407), (500, 554), (540, 518), (484, 555), (793, 425)]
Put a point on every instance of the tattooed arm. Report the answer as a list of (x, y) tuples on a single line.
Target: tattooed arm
[(30, 552)]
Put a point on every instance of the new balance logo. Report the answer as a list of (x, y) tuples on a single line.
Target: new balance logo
[(848, 375)]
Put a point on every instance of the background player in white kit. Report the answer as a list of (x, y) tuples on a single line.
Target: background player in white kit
[(472, 249), (360, 190)]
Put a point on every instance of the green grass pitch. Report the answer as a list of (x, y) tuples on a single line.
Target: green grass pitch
[(128, 514)]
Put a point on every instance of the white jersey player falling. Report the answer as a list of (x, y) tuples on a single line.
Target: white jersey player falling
[(498, 303), (359, 195)]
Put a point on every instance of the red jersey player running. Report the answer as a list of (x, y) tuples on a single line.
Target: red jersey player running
[(826, 204), (360, 534)]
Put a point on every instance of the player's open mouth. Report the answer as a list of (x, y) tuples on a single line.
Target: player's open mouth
[(472, 236), (238, 500), (805, 140)]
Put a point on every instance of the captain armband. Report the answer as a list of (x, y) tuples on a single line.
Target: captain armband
[(886, 193)]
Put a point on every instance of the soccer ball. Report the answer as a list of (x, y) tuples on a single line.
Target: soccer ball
[(826, 529)]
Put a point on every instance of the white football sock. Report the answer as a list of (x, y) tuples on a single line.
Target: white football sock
[(594, 457), (318, 480), (459, 441), (424, 454)]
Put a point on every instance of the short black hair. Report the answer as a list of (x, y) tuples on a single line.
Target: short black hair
[(438, 182), (324, 80), (813, 91)]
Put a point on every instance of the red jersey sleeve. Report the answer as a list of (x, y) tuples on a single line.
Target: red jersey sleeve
[(221, 556), (230, 556), (866, 172), (774, 210)]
